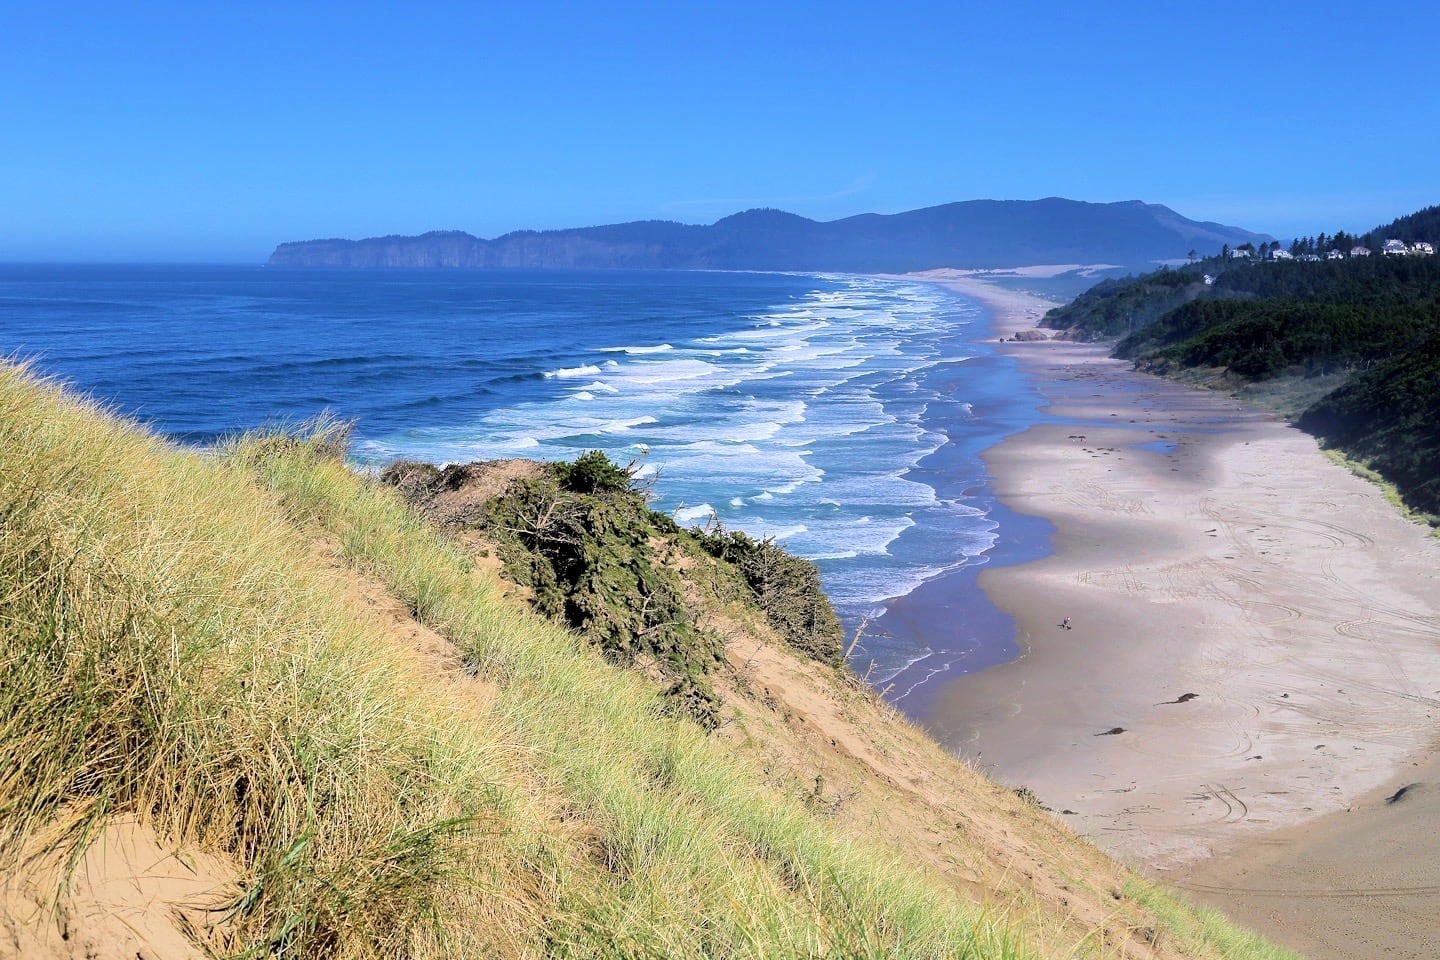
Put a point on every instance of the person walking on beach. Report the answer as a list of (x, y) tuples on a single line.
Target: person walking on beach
[(1065, 623)]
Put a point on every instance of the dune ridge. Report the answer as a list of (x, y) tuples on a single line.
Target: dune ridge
[(273, 664)]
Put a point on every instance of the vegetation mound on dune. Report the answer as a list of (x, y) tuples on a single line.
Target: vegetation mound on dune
[(582, 537)]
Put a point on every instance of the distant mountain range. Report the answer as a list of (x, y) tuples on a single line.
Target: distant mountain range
[(972, 233)]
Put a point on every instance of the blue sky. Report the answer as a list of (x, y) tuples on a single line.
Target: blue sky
[(197, 132)]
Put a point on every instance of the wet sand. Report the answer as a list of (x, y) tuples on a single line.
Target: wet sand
[(1252, 664)]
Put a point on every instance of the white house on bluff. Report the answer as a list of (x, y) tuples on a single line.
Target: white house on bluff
[(1397, 248)]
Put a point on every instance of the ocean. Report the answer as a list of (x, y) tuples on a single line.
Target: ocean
[(841, 415)]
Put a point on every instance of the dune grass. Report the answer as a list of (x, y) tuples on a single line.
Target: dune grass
[(1388, 490), (168, 653), (667, 814), (1196, 928), (173, 651)]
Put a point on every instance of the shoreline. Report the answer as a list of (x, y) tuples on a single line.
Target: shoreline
[(1258, 624), (948, 616)]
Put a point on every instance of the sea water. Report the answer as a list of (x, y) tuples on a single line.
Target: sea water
[(841, 415)]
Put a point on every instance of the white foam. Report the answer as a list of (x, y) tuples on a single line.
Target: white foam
[(685, 515), (703, 431), (662, 371), (788, 488), (777, 532), (773, 329), (634, 351), (566, 373), (885, 676), (620, 426), (839, 537)]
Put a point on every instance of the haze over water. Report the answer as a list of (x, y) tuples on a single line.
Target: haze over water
[(841, 415)]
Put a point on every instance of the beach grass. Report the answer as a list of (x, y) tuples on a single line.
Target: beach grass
[(183, 644), (170, 654), (1194, 926), (174, 651), (1388, 490), (667, 811)]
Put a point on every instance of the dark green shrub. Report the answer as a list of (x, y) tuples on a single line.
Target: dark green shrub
[(787, 589), (595, 556)]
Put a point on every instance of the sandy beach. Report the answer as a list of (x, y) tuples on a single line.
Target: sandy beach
[(1251, 667)]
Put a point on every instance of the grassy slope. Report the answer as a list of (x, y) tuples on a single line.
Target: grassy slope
[(177, 649)]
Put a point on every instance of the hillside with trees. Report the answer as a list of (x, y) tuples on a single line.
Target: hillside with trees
[(1326, 312), (1388, 417), (1422, 225)]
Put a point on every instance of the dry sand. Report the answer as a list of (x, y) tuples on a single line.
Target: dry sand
[(130, 897), (1011, 311), (1252, 664)]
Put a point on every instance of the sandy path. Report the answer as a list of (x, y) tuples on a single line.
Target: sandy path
[(1260, 625)]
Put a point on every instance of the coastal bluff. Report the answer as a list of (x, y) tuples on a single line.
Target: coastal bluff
[(267, 708), (966, 234)]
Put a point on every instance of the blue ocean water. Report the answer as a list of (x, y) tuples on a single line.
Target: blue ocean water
[(841, 415)]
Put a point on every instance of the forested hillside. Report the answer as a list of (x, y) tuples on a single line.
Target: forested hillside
[(1117, 308), (1323, 313), (1420, 225), (1389, 416)]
